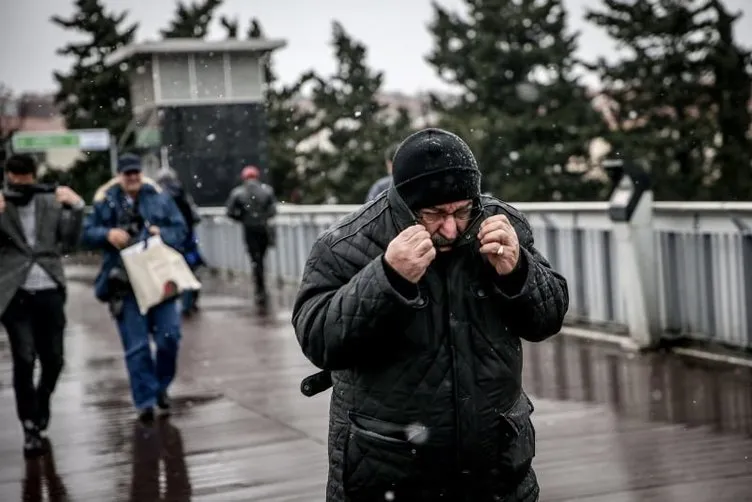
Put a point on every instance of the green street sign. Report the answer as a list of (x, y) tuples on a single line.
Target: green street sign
[(93, 140), (148, 137)]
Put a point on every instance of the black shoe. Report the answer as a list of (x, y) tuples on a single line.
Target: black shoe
[(33, 445), (146, 416), (261, 301), (163, 404)]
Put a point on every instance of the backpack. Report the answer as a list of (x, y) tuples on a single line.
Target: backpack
[(252, 205)]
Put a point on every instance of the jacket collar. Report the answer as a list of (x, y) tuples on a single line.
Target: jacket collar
[(117, 192)]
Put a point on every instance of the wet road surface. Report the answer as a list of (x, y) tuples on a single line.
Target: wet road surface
[(611, 426)]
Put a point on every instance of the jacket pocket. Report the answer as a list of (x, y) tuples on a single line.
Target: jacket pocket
[(517, 442), (378, 458), (487, 319)]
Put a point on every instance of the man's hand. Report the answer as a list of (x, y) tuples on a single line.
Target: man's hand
[(498, 241), (118, 237), (2, 203), (411, 252), (153, 230), (65, 195)]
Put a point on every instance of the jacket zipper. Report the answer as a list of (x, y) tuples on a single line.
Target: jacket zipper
[(455, 377)]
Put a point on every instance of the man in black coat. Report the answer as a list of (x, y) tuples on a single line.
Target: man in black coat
[(417, 303)]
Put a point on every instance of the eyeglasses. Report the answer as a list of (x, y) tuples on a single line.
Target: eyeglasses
[(433, 216)]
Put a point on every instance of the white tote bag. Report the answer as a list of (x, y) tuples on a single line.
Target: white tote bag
[(156, 272)]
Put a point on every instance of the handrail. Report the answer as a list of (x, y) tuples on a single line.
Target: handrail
[(285, 208), (536, 207), (704, 206), (525, 207)]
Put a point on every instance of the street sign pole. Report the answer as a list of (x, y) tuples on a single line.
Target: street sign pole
[(113, 156)]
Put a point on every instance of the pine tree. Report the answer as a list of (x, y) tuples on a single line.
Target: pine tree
[(192, 21), (230, 25), (732, 94), (521, 106), (682, 83), (288, 123), (359, 127), (93, 94)]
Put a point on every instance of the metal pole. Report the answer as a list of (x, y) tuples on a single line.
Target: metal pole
[(113, 156), (164, 157)]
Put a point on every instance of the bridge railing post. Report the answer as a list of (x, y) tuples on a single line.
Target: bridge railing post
[(631, 211)]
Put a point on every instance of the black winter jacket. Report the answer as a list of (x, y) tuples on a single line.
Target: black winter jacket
[(427, 402)]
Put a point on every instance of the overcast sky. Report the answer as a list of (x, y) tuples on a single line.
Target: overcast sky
[(393, 30)]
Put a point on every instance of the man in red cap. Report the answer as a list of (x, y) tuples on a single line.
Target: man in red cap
[(253, 204)]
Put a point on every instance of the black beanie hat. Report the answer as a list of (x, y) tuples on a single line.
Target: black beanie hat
[(433, 167)]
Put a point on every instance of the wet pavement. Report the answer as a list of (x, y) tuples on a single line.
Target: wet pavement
[(611, 426)]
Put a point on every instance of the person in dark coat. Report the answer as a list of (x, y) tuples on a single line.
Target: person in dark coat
[(37, 226), (168, 180), (253, 205), (382, 184), (417, 305)]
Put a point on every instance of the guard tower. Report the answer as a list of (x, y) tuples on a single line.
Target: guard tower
[(198, 107)]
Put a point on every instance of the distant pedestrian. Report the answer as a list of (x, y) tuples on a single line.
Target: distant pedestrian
[(253, 204), (168, 180), (382, 184)]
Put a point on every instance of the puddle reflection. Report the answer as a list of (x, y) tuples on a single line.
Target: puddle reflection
[(41, 477), (159, 472), (652, 387)]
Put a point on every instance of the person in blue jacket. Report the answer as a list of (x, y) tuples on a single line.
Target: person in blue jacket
[(128, 209)]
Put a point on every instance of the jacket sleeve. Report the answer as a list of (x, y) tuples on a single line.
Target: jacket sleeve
[(233, 210), (341, 314), (537, 294), (69, 227), (95, 230), (172, 229), (271, 204)]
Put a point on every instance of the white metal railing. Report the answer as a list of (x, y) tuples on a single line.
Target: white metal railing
[(703, 253)]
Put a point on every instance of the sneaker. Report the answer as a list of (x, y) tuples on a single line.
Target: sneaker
[(146, 416), (163, 404)]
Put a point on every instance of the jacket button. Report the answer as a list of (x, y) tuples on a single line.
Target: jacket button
[(421, 301), (481, 293)]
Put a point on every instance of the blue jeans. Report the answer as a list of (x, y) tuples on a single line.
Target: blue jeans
[(188, 300), (149, 377)]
